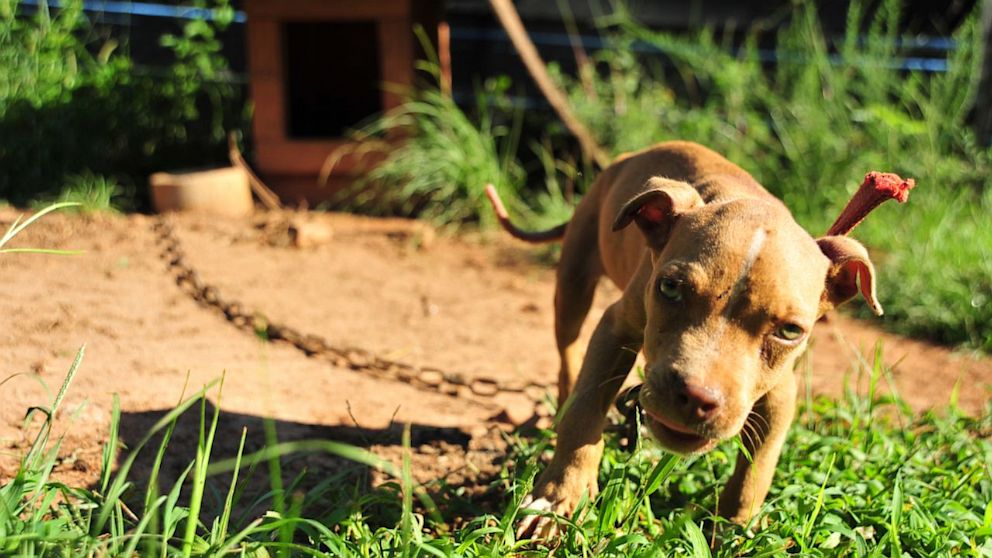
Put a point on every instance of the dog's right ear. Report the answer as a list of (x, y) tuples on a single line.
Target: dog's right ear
[(849, 264), (657, 207)]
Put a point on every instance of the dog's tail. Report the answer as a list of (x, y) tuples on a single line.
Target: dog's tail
[(550, 235)]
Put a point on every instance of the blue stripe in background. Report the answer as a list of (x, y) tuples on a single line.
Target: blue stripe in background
[(149, 9), (592, 42)]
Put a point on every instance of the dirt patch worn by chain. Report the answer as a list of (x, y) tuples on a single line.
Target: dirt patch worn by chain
[(452, 384)]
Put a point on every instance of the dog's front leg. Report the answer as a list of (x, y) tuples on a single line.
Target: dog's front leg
[(763, 436), (574, 468)]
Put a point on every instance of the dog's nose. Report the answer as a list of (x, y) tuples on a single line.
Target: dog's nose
[(698, 401)]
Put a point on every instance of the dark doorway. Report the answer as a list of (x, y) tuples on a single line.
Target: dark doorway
[(332, 76)]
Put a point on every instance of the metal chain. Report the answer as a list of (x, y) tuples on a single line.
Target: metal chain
[(629, 406), (357, 359)]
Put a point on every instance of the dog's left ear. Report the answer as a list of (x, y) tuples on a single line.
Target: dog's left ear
[(656, 209), (849, 262)]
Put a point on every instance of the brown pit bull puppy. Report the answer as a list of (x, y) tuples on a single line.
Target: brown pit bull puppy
[(721, 288)]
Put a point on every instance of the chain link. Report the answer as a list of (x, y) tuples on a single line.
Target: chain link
[(357, 359), (629, 407)]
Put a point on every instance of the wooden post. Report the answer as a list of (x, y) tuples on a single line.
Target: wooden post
[(444, 55), (983, 99), (510, 20)]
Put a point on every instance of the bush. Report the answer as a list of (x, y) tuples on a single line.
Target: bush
[(70, 104)]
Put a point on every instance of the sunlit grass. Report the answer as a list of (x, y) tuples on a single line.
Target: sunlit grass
[(859, 477)]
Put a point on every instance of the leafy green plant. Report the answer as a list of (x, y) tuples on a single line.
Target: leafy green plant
[(72, 104), (42, 57), (447, 157), (437, 157)]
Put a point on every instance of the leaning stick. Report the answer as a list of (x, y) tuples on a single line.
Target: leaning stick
[(268, 198), (510, 20), (876, 188)]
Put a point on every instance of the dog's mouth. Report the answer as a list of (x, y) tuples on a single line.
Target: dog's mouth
[(676, 437)]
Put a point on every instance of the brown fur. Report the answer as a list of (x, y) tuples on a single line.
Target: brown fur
[(739, 268)]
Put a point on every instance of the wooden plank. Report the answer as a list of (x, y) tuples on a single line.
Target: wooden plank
[(269, 119), (296, 190), (266, 80), (340, 10), (510, 20), (264, 47), (396, 59), (307, 157)]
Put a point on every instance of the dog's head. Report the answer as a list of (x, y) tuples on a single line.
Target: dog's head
[(734, 292)]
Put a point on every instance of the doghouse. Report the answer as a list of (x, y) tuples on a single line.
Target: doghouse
[(317, 68)]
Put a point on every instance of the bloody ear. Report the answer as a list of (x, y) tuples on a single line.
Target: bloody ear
[(849, 263), (656, 208)]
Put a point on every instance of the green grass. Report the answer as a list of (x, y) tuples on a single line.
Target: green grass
[(20, 223), (441, 171), (859, 477), (88, 193), (449, 154), (812, 126)]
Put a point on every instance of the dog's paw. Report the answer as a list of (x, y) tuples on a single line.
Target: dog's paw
[(546, 502), (537, 523)]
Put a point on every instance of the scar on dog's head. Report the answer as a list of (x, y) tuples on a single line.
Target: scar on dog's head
[(657, 209)]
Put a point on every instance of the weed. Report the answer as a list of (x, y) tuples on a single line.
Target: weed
[(19, 224), (449, 154), (89, 193), (441, 170)]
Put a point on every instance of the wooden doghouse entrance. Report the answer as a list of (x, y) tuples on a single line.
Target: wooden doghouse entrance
[(317, 69)]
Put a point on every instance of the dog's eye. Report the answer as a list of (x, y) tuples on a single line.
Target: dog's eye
[(789, 332), (670, 288)]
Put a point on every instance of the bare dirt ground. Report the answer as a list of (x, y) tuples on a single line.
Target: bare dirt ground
[(480, 305)]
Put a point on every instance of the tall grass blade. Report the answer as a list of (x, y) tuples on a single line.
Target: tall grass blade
[(172, 514), (895, 517), (135, 537), (659, 474), (407, 521), (18, 226), (120, 482), (225, 517), (697, 540), (31, 459), (203, 449), (811, 519)]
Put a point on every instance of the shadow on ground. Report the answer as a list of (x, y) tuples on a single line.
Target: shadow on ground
[(454, 467)]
